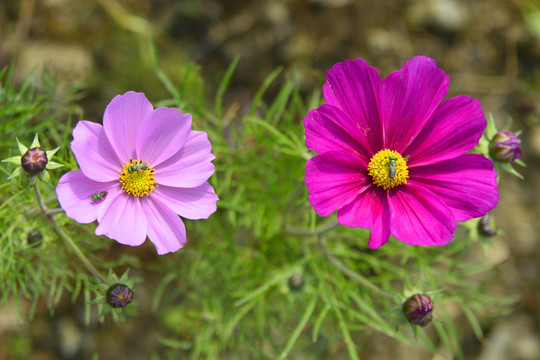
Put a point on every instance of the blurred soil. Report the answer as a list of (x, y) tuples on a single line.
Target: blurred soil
[(490, 49)]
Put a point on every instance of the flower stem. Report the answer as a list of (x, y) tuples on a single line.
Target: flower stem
[(48, 213), (321, 229), (350, 273)]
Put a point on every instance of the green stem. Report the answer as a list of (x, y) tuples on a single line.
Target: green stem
[(49, 215), (321, 229), (350, 273)]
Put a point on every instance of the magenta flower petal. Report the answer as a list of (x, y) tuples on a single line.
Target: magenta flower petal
[(329, 96), (122, 120), (369, 210), (329, 128), (466, 184), (334, 179), (193, 203), (75, 192), (419, 217), (123, 220), (161, 134), (410, 97), (453, 129), (357, 88), (94, 153), (189, 167), (391, 155), (165, 229), (139, 171)]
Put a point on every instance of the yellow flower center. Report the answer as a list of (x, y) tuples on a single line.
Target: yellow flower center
[(388, 169), (137, 178)]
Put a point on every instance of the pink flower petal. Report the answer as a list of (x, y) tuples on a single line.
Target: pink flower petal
[(453, 129), (122, 119), (123, 220), (334, 179), (466, 184), (329, 128), (419, 217), (94, 153), (161, 134), (192, 203), (369, 210), (189, 167), (410, 97), (357, 88), (75, 190), (165, 229)]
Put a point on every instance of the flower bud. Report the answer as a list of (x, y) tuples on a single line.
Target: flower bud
[(418, 309), (487, 226), (119, 295), (34, 160), (504, 147), (296, 282), (33, 238)]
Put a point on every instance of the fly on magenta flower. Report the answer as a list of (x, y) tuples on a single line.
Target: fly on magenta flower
[(392, 155), (139, 171)]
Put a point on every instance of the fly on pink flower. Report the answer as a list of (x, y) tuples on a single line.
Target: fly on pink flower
[(139, 171), (392, 155)]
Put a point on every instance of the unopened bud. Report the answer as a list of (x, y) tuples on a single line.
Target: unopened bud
[(487, 225), (34, 160), (34, 238), (119, 295), (296, 281), (505, 147), (418, 309)]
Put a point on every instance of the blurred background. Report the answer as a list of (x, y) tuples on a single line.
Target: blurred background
[(490, 49)]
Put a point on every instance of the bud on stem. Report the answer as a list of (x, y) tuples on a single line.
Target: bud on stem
[(34, 160), (418, 309), (119, 295), (505, 147)]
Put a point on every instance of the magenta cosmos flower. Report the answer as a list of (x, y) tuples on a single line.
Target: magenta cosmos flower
[(138, 171), (392, 156)]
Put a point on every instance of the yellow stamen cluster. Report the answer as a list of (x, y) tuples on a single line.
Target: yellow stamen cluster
[(137, 178), (379, 169)]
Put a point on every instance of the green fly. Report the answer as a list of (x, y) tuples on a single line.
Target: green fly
[(99, 196), (141, 166), (392, 166)]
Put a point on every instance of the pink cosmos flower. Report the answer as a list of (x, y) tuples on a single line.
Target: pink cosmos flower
[(392, 156), (138, 171)]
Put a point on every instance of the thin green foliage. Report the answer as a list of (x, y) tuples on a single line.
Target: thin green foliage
[(265, 230), (228, 292), (32, 273)]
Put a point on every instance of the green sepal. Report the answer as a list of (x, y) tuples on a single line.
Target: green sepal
[(124, 279), (510, 169), (22, 149), (53, 165), (13, 160), (491, 129), (45, 177), (50, 153), (15, 173), (35, 142)]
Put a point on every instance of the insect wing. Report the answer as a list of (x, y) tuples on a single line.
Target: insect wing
[(392, 170)]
